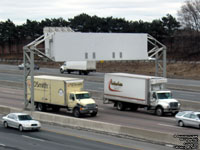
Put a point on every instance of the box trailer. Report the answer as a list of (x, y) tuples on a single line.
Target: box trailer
[(83, 67), (61, 92), (139, 91)]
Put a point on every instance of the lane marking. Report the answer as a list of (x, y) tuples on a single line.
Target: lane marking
[(2, 145), (167, 125), (32, 138), (173, 119)]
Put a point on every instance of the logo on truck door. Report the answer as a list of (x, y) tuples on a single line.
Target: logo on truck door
[(114, 86)]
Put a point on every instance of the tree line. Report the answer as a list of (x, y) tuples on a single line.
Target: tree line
[(158, 28), (180, 36)]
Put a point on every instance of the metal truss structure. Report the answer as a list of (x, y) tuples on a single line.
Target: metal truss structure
[(157, 53)]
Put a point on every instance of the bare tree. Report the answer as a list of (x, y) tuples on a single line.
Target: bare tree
[(189, 14)]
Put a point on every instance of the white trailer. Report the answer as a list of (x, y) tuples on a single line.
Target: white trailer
[(139, 91), (83, 67)]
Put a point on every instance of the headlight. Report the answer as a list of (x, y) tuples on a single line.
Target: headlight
[(83, 108)]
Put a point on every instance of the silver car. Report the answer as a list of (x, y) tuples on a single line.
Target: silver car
[(20, 121), (188, 118)]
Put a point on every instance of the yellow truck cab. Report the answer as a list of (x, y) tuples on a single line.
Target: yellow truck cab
[(52, 92)]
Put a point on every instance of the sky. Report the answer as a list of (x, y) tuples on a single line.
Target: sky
[(19, 11)]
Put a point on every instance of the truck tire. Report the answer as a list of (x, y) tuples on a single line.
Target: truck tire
[(120, 106), (159, 111), (41, 107), (94, 114), (61, 71), (76, 113)]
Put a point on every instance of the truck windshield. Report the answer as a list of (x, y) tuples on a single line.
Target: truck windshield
[(164, 95), (82, 96)]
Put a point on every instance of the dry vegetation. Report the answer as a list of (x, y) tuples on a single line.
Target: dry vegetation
[(185, 70)]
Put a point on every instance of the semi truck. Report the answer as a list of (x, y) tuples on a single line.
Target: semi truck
[(139, 91), (82, 67), (53, 92)]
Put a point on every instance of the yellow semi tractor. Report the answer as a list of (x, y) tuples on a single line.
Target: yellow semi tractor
[(52, 92)]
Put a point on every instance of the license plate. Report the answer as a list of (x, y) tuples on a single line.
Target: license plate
[(91, 111)]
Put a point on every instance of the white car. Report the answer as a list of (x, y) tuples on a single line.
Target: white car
[(188, 118), (20, 121)]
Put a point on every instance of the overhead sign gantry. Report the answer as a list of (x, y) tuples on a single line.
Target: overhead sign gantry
[(63, 44)]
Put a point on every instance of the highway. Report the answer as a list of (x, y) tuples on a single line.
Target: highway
[(52, 137), (13, 96), (11, 73), (107, 113)]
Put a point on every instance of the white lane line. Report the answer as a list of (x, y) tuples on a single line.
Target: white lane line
[(168, 118), (167, 125), (2, 145), (33, 138)]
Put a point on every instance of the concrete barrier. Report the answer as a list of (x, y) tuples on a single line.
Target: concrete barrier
[(189, 105), (153, 136)]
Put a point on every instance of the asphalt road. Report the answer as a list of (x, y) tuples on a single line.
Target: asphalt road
[(107, 113), (11, 73), (52, 137)]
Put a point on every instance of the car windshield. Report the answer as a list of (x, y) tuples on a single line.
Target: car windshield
[(24, 117), (82, 96), (164, 96), (181, 113)]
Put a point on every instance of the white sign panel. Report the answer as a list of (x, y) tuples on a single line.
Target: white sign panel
[(68, 46)]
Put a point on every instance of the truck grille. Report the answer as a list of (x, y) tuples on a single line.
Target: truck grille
[(173, 105), (91, 106)]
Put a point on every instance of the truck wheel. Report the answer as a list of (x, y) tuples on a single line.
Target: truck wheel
[(120, 106), (159, 111), (61, 71), (93, 114), (41, 107), (76, 113)]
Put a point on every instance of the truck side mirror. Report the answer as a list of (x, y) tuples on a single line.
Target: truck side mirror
[(73, 98)]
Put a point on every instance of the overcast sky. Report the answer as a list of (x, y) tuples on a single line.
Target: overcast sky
[(147, 10)]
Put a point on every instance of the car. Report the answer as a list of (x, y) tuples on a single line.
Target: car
[(188, 118), (21, 121), (21, 66)]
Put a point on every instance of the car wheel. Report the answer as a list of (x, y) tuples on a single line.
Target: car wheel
[(181, 124), (76, 113), (21, 128), (159, 111), (5, 124)]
